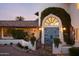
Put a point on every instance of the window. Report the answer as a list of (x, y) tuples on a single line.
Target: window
[(51, 21)]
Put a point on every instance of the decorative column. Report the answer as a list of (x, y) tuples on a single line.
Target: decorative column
[(76, 35), (2, 33), (42, 37)]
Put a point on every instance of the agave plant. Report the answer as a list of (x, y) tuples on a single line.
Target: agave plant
[(56, 42)]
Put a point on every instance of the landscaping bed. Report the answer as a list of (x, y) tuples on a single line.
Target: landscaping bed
[(74, 51)]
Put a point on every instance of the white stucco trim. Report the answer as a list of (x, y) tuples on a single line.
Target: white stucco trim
[(39, 19), (60, 27), (42, 37)]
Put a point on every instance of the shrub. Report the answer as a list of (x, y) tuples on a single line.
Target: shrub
[(18, 34), (33, 39), (26, 37), (74, 51)]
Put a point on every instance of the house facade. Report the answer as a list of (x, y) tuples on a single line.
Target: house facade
[(26, 26), (54, 21)]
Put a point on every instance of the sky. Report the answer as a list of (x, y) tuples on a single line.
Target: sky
[(9, 11)]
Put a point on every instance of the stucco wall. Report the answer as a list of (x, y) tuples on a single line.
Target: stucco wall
[(74, 13)]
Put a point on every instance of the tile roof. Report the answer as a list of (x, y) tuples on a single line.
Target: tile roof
[(19, 23)]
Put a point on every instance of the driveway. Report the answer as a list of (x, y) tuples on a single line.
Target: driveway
[(11, 51), (8, 50)]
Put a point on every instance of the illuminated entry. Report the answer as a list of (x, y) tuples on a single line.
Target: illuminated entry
[(51, 21)]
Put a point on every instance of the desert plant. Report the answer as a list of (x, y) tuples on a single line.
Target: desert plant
[(56, 42), (20, 18), (33, 39), (26, 38)]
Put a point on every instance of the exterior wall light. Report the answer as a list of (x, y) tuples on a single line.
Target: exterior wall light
[(64, 28), (40, 29)]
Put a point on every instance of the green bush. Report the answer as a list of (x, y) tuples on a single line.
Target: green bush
[(74, 51), (18, 34)]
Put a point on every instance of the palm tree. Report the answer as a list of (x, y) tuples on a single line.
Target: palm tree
[(19, 18)]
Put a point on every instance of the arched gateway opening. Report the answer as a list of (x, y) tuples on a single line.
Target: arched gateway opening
[(56, 18), (51, 28), (56, 22)]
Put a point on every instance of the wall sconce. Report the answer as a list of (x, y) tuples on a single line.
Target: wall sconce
[(40, 29), (64, 28)]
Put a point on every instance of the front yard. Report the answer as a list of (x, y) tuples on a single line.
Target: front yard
[(8, 50)]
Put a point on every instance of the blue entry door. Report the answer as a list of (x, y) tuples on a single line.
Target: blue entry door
[(49, 34)]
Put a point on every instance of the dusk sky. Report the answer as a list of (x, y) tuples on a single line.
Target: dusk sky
[(10, 11)]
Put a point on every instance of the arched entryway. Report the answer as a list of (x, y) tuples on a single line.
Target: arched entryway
[(64, 20), (51, 28)]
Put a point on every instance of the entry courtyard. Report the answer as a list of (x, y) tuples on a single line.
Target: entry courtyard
[(39, 30), (8, 50)]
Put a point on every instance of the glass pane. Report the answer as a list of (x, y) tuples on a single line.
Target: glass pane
[(51, 21)]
